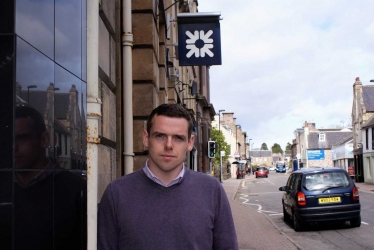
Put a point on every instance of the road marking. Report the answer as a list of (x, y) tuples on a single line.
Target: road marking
[(275, 214), (364, 223), (246, 201), (270, 182), (259, 207), (243, 184)]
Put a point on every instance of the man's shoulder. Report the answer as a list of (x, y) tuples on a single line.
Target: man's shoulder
[(201, 177), (129, 179)]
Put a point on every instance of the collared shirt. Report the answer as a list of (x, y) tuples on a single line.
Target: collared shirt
[(154, 178), (42, 175)]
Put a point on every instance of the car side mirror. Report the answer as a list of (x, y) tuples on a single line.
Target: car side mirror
[(284, 188)]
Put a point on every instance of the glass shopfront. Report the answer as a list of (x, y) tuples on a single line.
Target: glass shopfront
[(43, 124)]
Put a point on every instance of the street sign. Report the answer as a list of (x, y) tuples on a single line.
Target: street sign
[(236, 154), (199, 39), (318, 154), (223, 153)]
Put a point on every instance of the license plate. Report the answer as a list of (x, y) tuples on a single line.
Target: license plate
[(329, 200)]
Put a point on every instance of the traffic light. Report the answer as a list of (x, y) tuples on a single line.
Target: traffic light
[(211, 149)]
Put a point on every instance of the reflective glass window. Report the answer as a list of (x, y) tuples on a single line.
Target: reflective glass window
[(68, 35), (35, 24), (6, 17), (6, 139), (6, 101), (84, 41)]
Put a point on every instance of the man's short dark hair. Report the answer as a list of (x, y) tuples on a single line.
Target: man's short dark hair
[(38, 125), (170, 110)]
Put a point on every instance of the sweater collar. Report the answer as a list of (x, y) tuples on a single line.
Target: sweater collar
[(154, 178)]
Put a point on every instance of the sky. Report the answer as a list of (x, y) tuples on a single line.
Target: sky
[(287, 62)]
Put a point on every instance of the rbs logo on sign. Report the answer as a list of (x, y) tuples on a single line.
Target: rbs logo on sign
[(199, 43)]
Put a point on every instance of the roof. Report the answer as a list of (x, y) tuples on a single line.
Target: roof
[(331, 138), (345, 140), (368, 96), (260, 153), (369, 123)]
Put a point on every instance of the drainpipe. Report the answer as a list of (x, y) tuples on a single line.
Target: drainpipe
[(127, 42), (93, 116)]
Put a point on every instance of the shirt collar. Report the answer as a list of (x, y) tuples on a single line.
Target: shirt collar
[(154, 178)]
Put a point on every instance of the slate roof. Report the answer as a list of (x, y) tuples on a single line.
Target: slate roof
[(345, 140), (369, 123), (260, 153), (368, 96), (331, 138)]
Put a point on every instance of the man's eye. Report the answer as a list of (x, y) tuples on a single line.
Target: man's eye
[(178, 138), (160, 136)]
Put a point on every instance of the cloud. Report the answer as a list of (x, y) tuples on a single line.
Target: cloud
[(286, 62)]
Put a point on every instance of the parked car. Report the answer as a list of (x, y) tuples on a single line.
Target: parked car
[(262, 172), (280, 169), (272, 168), (320, 194)]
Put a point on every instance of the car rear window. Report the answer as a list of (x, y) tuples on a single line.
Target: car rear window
[(260, 169), (323, 180)]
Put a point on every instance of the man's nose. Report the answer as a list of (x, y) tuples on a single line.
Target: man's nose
[(169, 142)]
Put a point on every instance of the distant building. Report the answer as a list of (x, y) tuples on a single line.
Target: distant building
[(313, 145), (261, 157)]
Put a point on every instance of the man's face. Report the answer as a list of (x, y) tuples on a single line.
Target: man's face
[(167, 143), (28, 148)]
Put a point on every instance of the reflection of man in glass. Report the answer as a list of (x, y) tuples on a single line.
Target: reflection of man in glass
[(31, 141), (49, 202)]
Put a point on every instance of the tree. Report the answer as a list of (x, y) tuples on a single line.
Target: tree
[(221, 145), (288, 148), (276, 148), (264, 146)]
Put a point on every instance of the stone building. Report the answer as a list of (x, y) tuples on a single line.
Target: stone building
[(315, 144), (362, 111), (237, 137)]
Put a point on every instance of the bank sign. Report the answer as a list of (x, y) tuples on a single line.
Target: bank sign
[(199, 39), (316, 154)]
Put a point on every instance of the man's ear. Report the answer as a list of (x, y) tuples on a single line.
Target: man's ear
[(191, 142), (45, 139), (145, 140)]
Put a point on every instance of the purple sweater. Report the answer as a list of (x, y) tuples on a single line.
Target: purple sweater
[(137, 213)]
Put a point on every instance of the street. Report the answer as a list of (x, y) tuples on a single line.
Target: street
[(262, 194)]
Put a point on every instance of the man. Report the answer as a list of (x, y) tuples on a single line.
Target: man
[(49, 202), (165, 205)]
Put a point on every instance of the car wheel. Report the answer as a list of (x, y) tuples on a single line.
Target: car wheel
[(355, 222), (296, 223), (286, 216)]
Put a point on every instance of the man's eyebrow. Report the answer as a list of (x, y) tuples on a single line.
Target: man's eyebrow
[(163, 133)]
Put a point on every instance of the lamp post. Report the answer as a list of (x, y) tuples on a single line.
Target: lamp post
[(236, 136), (249, 157), (218, 144), (28, 92)]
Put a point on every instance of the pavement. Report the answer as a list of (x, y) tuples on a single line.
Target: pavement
[(256, 230)]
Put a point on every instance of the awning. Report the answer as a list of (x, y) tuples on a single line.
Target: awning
[(239, 162)]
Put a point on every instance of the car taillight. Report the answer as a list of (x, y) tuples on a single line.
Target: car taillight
[(355, 194), (301, 198)]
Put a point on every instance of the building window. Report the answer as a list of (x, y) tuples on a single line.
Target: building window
[(372, 138), (367, 138), (322, 137)]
